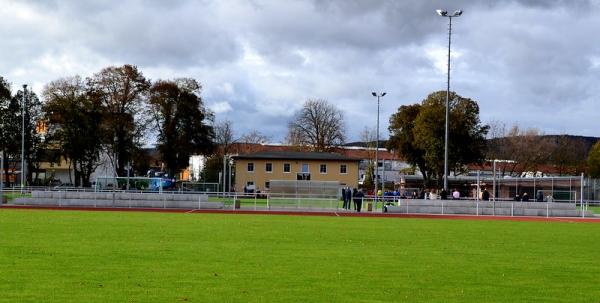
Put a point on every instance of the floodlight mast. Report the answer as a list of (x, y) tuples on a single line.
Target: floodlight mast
[(444, 13), (23, 109), (377, 149)]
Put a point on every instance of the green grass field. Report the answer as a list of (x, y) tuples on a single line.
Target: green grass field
[(70, 256)]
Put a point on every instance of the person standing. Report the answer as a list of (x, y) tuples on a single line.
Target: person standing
[(444, 194), (344, 198), (456, 194), (348, 197), (486, 195), (358, 197), (540, 196)]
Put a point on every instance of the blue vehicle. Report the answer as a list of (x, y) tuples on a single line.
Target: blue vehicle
[(165, 183)]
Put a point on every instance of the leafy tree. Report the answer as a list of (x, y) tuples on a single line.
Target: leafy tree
[(9, 125), (121, 91), (74, 125), (318, 125), (417, 134), (593, 161), (34, 141), (180, 118), (402, 138)]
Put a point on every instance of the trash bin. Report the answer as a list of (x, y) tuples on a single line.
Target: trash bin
[(369, 206), (236, 203)]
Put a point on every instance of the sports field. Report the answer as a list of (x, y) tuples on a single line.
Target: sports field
[(83, 256)]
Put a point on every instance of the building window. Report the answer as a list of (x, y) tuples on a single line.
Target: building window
[(269, 167), (286, 168), (305, 168), (250, 167), (323, 168), (267, 185), (343, 169)]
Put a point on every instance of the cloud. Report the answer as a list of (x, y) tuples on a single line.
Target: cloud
[(258, 61)]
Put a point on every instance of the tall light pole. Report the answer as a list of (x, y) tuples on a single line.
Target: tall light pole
[(443, 13), (1, 176), (23, 105), (377, 144)]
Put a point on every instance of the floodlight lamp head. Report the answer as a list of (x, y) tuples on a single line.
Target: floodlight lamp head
[(374, 94), (383, 94), (441, 12), (457, 13)]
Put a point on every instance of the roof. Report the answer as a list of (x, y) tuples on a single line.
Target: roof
[(290, 155), (350, 152)]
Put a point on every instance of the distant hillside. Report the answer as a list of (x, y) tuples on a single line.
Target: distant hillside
[(365, 144), (589, 141)]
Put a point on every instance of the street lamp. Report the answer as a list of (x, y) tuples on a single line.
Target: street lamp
[(377, 145), (443, 13), (23, 137)]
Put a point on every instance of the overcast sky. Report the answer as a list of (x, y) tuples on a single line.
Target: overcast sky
[(535, 63)]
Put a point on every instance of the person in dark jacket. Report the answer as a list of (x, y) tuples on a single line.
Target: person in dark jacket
[(540, 196), (525, 197), (358, 197), (344, 198), (486, 195), (444, 194)]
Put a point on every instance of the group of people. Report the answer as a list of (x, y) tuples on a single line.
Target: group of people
[(349, 195), (525, 197), (539, 197)]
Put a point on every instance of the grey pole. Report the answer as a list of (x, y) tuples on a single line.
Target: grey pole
[(445, 14), (224, 172), (447, 109), (581, 196), (377, 146), (23, 105), (1, 175), (229, 174), (494, 182)]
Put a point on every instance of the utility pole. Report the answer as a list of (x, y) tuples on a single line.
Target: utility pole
[(23, 105)]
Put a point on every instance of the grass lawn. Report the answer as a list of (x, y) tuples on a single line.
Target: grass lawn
[(594, 209), (70, 256), (13, 195), (289, 202)]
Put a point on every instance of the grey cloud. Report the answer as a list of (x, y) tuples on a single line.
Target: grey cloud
[(533, 56)]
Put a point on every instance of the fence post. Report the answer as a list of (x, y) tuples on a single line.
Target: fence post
[(581, 197), (512, 209)]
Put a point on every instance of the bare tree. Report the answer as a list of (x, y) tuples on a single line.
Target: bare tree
[(224, 135), (369, 136), (318, 124), (568, 154), (254, 137), (527, 147)]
